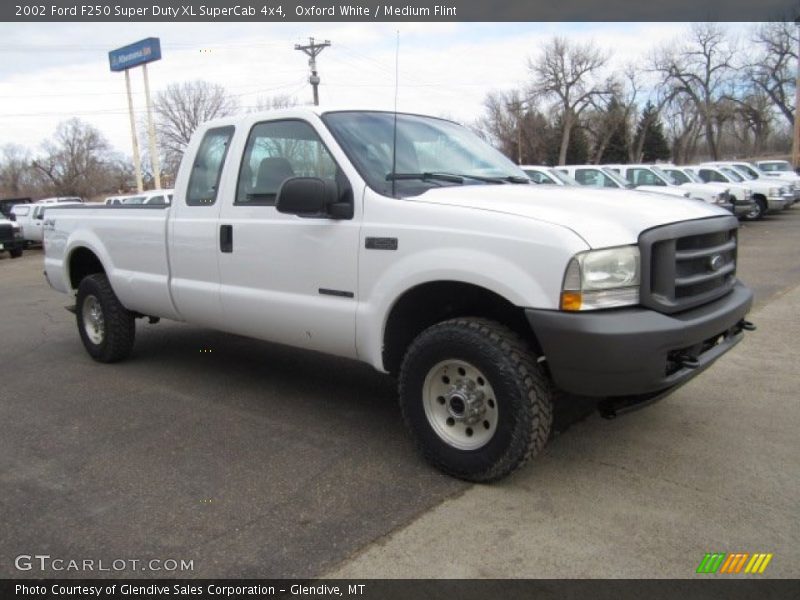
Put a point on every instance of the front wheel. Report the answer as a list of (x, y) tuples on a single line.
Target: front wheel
[(107, 328), (475, 400), (758, 212), (15, 253)]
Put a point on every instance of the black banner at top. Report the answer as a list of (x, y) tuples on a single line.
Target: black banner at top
[(397, 11)]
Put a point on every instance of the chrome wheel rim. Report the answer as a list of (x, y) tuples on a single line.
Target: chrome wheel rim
[(93, 321), (460, 404)]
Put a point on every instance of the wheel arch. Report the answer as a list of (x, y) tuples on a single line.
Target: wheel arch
[(432, 302), (82, 262)]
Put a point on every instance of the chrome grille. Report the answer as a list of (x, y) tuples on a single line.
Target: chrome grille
[(688, 264)]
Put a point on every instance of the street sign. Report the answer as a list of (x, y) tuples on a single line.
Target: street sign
[(133, 55)]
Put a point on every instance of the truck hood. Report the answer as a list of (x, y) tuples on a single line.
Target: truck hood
[(603, 218)]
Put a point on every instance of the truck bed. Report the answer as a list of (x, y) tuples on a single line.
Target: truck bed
[(131, 241)]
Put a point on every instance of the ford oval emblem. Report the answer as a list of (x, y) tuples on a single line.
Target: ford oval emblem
[(716, 262)]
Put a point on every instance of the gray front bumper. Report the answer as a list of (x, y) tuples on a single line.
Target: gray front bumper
[(632, 351)]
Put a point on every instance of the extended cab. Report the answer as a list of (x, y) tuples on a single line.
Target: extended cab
[(408, 243)]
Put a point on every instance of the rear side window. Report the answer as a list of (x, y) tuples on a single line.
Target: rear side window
[(207, 167), (20, 210)]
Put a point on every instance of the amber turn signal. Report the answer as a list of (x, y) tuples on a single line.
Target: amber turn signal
[(571, 301)]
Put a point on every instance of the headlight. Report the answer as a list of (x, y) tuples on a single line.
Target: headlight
[(719, 199), (602, 279), (17, 231), (774, 191)]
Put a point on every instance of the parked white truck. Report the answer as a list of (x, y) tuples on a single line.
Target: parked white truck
[(408, 243)]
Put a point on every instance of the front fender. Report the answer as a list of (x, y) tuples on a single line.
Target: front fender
[(502, 276)]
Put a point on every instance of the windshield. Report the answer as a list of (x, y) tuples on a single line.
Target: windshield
[(538, 176), (679, 176), (732, 173), (617, 178), (778, 165), (692, 175), (665, 176), (430, 153), (746, 172), (562, 177)]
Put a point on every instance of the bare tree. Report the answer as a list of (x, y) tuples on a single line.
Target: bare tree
[(15, 170), (75, 161), (773, 68), (614, 111), (684, 126), (700, 69), (181, 108), (569, 74)]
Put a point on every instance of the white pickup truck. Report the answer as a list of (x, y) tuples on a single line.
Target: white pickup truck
[(408, 243)]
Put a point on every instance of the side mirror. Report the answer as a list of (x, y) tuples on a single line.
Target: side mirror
[(306, 196)]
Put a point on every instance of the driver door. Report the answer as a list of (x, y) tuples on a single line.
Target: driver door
[(287, 278)]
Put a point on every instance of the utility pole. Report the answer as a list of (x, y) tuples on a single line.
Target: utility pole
[(312, 50), (517, 107), (796, 135)]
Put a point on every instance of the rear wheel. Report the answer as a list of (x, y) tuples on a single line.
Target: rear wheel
[(16, 253), (107, 328), (475, 400)]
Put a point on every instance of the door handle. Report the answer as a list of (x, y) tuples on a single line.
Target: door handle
[(226, 238)]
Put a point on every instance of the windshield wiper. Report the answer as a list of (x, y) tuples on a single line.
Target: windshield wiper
[(425, 177), (454, 177)]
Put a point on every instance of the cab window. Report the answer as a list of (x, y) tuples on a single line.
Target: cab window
[(644, 177), (594, 177), (207, 167), (279, 150)]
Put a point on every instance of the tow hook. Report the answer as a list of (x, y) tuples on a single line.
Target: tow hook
[(747, 325), (689, 362)]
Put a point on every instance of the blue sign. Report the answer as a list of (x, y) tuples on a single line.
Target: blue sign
[(133, 55)]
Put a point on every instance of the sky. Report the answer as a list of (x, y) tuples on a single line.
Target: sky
[(50, 72)]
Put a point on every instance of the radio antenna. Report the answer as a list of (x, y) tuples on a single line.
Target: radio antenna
[(394, 128)]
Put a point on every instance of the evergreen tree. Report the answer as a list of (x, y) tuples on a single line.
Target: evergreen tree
[(616, 150), (577, 150), (655, 146)]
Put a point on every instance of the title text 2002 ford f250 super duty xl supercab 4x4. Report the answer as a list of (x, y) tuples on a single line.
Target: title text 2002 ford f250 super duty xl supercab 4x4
[(408, 243)]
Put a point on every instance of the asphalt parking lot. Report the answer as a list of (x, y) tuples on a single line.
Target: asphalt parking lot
[(255, 460)]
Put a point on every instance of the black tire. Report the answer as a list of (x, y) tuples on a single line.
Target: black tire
[(16, 253), (758, 211), (523, 397), (118, 325)]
